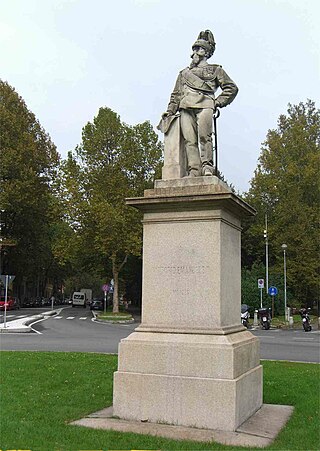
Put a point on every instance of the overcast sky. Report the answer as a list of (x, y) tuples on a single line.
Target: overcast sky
[(68, 58)]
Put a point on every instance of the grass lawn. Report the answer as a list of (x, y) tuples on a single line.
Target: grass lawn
[(42, 391), (279, 321), (110, 316)]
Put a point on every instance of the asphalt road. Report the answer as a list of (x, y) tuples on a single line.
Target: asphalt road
[(74, 330), (71, 330)]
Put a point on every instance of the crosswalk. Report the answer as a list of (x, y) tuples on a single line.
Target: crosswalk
[(70, 318)]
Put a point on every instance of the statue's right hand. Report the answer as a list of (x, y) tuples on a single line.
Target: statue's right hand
[(166, 114)]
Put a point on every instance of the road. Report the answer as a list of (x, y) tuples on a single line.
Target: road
[(71, 330), (74, 330), (294, 345)]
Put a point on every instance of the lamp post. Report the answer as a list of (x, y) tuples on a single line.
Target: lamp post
[(284, 247), (265, 234)]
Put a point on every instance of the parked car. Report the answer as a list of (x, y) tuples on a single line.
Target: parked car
[(12, 303), (96, 305), (37, 302), (28, 302)]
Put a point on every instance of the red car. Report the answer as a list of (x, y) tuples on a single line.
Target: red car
[(12, 303)]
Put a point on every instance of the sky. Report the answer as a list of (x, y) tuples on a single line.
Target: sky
[(68, 58)]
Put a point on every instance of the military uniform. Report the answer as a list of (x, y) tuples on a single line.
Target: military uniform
[(194, 97)]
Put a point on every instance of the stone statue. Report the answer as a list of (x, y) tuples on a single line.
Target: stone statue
[(193, 98)]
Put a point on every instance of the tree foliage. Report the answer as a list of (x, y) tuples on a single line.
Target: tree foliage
[(285, 186), (114, 161), (28, 163)]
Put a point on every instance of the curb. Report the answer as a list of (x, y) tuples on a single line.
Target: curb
[(24, 325), (106, 321)]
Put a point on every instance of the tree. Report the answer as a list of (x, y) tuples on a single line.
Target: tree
[(28, 163), (286, 188), (116, 161)]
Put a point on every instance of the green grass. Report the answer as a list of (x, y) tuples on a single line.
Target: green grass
[(110, 316), (41, 392), (279, 321)]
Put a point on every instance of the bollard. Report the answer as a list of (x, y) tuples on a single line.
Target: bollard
[(291, 322), (287, 314), (255, 318)]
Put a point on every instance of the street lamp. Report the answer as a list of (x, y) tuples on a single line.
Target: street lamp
[(265, 235), (284, 247)]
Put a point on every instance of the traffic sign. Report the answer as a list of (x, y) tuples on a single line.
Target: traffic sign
[(105, 288), (273, 291), (260, 283)]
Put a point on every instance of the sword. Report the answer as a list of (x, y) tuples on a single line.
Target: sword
[(215, 117)]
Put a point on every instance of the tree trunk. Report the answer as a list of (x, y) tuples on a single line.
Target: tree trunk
[(115, 272)]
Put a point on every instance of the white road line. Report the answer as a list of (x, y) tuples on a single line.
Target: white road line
[(83, 317), (11, 316), (303, 339), (265, 336), (57, 317), (22, 316), (71, 317)]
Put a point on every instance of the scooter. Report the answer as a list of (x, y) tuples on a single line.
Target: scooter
[(265, 318), (304, 313), (245, 315)]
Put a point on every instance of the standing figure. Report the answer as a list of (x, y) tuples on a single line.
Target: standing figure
[(194, 97)]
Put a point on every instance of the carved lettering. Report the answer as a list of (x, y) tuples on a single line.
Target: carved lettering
[(187, 270)]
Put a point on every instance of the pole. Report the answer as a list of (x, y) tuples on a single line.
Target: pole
[(5, 302), (285, 283), (272, 311), (267, 253), (105, 303), (215, 117), (260, 297)]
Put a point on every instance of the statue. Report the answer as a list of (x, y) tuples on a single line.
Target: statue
[(193, 99)]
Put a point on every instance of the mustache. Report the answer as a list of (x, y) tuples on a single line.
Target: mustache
[(195, 59)]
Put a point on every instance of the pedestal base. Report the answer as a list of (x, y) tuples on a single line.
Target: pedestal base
[(190, 362), (202, 381)]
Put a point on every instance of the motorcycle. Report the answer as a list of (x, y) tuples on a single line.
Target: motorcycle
[(265, 318), (245, 315), (304, 313)]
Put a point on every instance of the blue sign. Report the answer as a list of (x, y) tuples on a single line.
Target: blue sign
[(273, 291)]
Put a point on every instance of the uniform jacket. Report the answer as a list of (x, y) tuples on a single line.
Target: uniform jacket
[(196, 87)]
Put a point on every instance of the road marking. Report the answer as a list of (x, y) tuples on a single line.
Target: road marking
[(83, 317), (265, 336), (304, 339), (22, 316), (57, 317), (11, 316), (71, 317)]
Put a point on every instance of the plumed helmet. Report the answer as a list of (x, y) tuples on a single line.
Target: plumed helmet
[(206, 41)]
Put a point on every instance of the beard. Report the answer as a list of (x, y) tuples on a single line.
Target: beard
[(195, 60)]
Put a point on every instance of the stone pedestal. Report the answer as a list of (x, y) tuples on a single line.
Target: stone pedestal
[(190, 362)]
